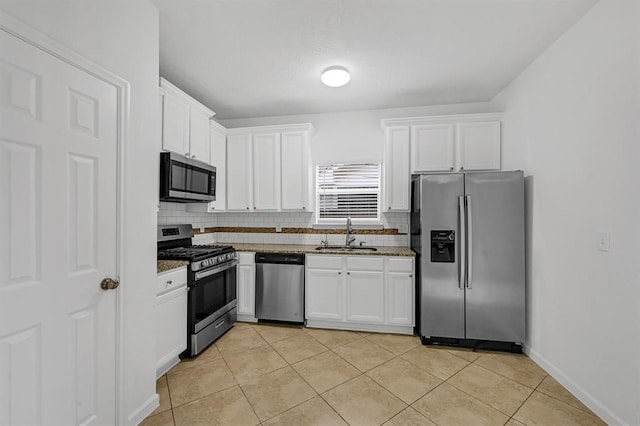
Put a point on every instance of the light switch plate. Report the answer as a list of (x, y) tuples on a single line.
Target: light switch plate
[(603, 241)]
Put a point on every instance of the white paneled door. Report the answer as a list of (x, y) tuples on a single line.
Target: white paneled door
[(58, 208)]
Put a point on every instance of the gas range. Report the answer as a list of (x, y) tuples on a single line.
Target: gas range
[(212, 274)]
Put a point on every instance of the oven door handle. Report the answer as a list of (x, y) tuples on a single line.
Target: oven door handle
[(209, 272)]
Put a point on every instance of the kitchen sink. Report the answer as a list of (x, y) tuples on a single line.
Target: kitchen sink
[(347, 249)]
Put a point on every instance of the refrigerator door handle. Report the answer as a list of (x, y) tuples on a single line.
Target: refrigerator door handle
[(462, 241), (469, 244)]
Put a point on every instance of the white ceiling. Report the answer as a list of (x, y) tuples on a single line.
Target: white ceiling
[(253, 58)]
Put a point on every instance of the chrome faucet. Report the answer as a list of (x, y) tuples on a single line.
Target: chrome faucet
[(350, 239)]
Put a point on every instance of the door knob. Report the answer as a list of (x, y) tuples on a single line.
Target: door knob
[(109, 284)]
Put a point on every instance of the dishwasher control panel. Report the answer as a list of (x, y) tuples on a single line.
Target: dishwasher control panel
[(280, 258)]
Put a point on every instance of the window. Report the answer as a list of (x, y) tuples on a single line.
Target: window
[(348, 190)]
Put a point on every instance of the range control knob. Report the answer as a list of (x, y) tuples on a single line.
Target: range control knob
[(203, 264)]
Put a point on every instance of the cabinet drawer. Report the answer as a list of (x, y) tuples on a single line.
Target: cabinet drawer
[(170, 280), (246, 258), (324, 262), (364, 263), (401, 264)]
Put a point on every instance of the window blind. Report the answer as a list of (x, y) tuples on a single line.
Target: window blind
[(348, 190)]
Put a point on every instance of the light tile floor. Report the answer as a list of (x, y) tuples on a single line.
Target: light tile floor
[(283, 375)]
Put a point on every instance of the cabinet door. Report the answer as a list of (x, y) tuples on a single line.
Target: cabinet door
[(365, 296), (175, 125), (396, 169), (199, 143), (324, 294), (171, 325), (400, 298), (239, 172), (479, 145), (246, 290), (218, 160), (295, 171), (266, 171), (432, 148)]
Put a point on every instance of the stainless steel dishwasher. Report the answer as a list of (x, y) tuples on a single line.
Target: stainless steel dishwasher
[(280, 287)]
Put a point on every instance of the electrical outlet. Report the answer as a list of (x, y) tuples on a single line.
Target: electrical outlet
[(278, 228), (602, 241)]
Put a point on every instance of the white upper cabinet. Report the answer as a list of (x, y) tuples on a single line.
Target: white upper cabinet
[(239, 172), (439, 144), (266, 171), (175, 125), (199, 131), (218, 159), (479, 145), (396, 169), (295, 170), (268, 167), (432, 148), (185, 123)]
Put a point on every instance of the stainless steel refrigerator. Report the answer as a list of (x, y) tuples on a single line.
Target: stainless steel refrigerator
[(468, 232)]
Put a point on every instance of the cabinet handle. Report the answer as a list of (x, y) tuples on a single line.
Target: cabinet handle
[(247, 208), (410, 275), (461, 168), (339, 273), (451, 168), (348, 273), (213, 208), (304, 208), (389, 207), (169, 282), (254, 207)]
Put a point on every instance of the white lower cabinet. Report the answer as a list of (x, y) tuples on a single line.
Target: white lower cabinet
[(246, 290), (400, 294), (365, 288), (171, 318), (365, 296), (323, 293), (360, 293)]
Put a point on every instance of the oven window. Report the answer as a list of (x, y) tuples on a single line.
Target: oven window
[(214, 292)]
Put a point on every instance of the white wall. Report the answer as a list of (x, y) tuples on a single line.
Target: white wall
[(576, 113), (123, 38)]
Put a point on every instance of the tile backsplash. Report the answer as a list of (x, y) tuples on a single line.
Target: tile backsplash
[(174, 213)]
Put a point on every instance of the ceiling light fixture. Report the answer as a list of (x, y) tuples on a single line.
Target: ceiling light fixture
[(335, 76)]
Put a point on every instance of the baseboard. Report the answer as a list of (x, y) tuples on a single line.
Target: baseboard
[(246, 318), (585, 397), (144, 410), (354, 326)]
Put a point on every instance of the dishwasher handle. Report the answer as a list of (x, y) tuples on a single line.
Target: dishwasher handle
[(280, 258)]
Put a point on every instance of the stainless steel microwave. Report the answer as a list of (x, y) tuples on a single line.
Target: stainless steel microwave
[(185, 180)]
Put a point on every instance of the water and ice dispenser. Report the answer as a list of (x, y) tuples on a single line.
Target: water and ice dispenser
[(443, 246)]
